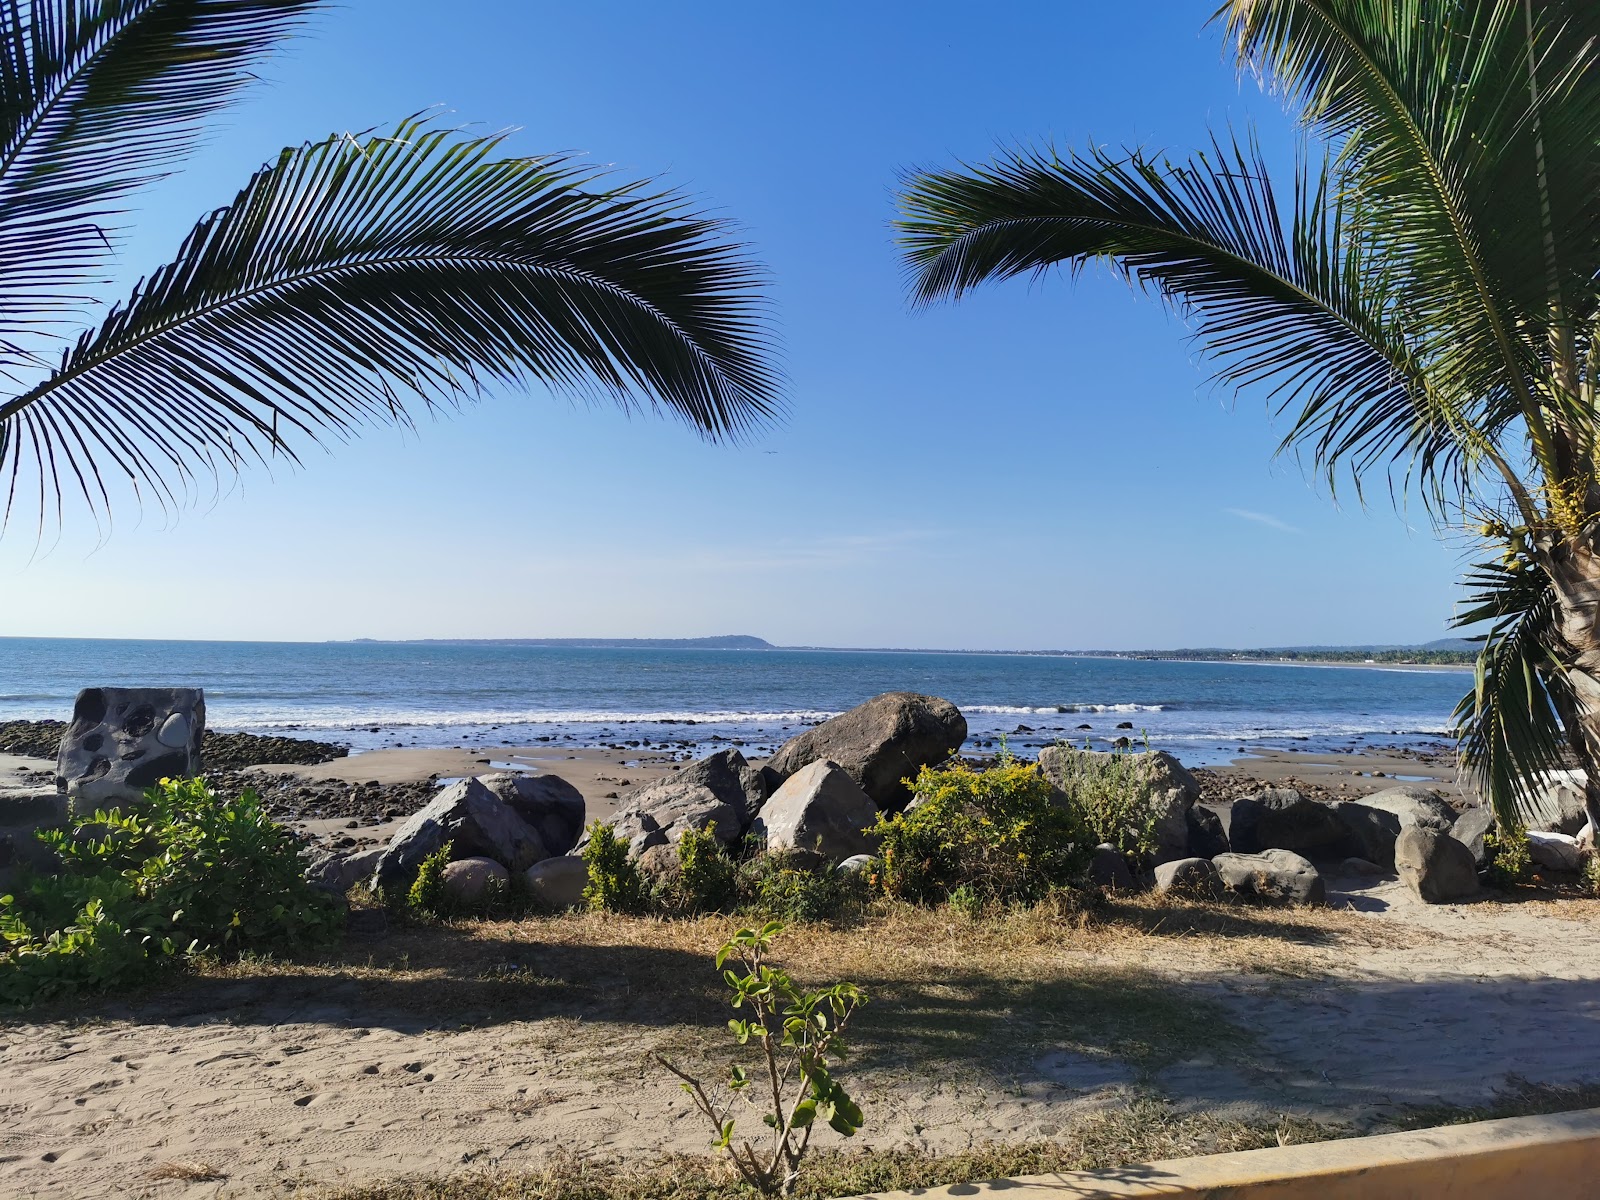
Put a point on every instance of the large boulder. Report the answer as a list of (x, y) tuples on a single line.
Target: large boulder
[(1109, 869), (1193, 877), (558, 883), (722, 789), (820, 809), (1436, 867), (547, 802), (1168, 789), (1373, 822), (1207, 838), (477, 824), (468, 880), (1283, 819), (124, 740), (1554, 851), (1471, 829), (1559, 807), (1276, 876), (24, 813), (339, 872), (880, 743)]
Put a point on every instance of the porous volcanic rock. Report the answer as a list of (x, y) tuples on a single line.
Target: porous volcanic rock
[(124, 740)]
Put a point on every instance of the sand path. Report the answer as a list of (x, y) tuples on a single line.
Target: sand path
[(307, 1079)]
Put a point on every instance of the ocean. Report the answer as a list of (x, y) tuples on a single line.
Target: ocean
[(375, 694)]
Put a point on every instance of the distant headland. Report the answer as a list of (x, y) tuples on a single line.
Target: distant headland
[(1444, 652), (735, 641)]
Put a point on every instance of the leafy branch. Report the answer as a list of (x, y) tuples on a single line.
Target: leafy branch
[(798, 1033)]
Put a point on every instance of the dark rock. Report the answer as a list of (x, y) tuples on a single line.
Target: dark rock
[(1110, 870), (1361, 866), (1470, 829), (1206, 836), (880, 743), (218, 751), (476, 822), (124, 740), (820, 810), (722, 788), (1283, 819), (1373, 822), (547, 802), (1277, 876), (1193, 877), (1435, 866), (341, 872)]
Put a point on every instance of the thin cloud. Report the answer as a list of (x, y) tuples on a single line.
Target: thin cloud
[(1267, 519)]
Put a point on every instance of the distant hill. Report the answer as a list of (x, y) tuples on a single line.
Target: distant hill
[(734, 641)]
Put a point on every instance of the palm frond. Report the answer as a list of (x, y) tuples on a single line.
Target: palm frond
[(355, 274), (1442, 131), (98, 97), (1284, 299), (1509, 727)]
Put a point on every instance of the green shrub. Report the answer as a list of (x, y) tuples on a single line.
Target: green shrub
[(615, 884), (797, 1034), (1109, 795), (706, 875), (987, 835), (179, 873), (1510, 860), (427, 896), (791, 887)]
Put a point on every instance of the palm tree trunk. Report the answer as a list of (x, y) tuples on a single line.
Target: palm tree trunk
[(1574, 570)]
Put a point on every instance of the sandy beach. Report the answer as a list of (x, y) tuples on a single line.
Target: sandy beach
[(409, 1052)]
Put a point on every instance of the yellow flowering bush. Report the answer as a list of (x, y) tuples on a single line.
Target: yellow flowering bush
[(989, 835)]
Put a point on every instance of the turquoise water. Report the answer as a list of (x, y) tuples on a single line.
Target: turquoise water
[(371, 694)]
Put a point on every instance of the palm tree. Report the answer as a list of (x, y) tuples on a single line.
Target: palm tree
[(1423, 298), (351, 281)]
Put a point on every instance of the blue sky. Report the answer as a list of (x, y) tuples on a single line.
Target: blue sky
[(1041, 466)]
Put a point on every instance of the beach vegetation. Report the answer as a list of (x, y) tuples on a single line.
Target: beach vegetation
[(1109, 796), (181, 873), (427, 896), (1417, 299), (798, 1036), (615, 884), (788, 886), (357, 279), (1510, 861), (707, 879), (993, 835)]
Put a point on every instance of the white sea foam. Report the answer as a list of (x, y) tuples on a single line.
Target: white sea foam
[(1054, 709), (345, 719)]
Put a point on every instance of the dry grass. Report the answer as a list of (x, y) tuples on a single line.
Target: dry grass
[(1143, 1131), (182, 1171), (967, 996)]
